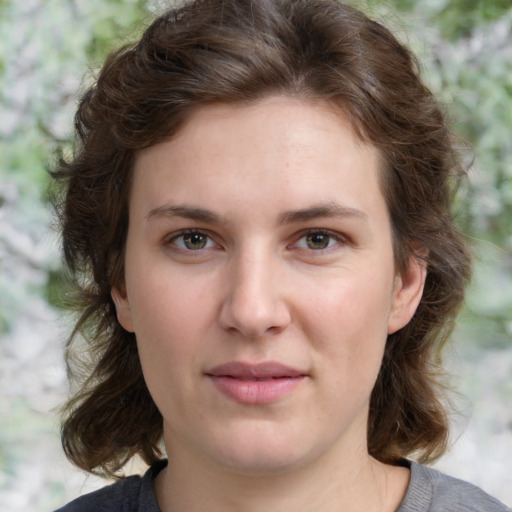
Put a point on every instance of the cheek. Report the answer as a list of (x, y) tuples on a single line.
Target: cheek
[(168, 335), (163, 298), (347, 326), (352, 307), (173, 315)]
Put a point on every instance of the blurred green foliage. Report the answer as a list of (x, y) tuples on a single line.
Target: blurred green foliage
[(459, 18), (455, 19), (51, 46)]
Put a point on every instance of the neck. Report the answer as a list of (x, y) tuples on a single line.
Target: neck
[(361, 484)]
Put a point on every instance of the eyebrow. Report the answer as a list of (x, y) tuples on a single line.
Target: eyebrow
[(329, 209), (186, 212)]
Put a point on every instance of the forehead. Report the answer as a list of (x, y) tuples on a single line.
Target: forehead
[(227, 126), (289, 145)]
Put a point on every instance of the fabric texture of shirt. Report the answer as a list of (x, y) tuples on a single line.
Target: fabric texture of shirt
[(429, 490)]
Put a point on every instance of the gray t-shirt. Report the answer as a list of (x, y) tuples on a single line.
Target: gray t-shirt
[(429, 491), (432, 491)]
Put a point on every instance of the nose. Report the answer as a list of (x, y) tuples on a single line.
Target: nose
[(254, 305)]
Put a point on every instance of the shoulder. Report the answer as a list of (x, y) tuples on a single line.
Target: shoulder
[(131, 494), (110, 498), (432, 491)]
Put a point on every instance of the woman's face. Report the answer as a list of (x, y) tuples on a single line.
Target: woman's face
[(260, 284)]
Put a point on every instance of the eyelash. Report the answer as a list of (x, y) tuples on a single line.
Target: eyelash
[(171, 240), (332, 236), (337, 238)]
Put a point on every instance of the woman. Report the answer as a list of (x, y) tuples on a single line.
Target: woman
[(259, 220)]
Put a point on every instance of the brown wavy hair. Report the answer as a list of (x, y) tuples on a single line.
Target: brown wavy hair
[(239, 51)]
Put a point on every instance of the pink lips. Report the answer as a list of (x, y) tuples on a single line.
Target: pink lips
[(255, 383)]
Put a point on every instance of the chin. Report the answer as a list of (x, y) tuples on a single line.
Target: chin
[(263, 453)]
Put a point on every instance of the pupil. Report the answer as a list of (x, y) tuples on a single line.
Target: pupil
[(195, 241), (318, 241)]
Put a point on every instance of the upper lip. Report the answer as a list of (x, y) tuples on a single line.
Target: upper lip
[(249, 371)]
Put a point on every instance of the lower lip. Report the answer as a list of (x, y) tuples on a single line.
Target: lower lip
[(256, 392)]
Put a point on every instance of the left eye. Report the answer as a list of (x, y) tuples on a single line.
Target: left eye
[(317, 241), (193, 241)]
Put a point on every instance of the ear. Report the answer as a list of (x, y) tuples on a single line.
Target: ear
[(407, 294), (124, 312)]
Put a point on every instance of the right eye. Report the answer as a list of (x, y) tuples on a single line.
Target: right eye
[(192, 241)]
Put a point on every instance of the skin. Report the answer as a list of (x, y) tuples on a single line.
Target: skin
[(251, 281)]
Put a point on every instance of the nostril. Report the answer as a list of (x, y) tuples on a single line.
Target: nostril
[(253, 322)]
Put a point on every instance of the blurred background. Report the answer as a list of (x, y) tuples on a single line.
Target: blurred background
[(51, 49)]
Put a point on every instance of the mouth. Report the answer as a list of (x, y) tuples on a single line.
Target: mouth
[(255, 384)]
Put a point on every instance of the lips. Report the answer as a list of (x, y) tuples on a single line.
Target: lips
[(255, 383)]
